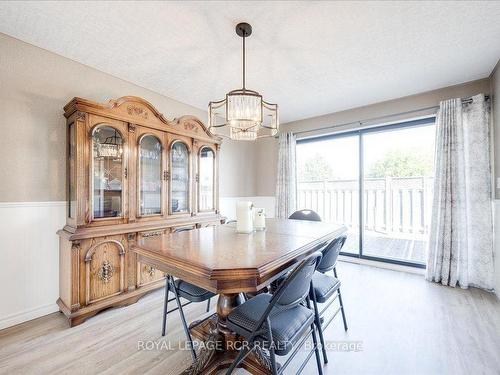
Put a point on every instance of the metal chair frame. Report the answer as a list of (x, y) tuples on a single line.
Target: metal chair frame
[(165, 313), (170, 287), (323, 325), (313, 216), (341, 307), (266, 331), (325, 270)]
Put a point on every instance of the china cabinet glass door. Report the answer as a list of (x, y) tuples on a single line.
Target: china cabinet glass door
[(206, 179), (107, 173), (150, 178), (179, 184)]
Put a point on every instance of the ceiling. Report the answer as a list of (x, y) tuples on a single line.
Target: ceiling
[(309, 57)]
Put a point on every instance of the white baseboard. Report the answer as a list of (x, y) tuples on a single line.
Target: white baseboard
[(379, 264), (27, 315)]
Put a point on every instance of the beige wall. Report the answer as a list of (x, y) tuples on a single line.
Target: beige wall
[(237, 165), (266, 162), (388, 108), (35, 85)]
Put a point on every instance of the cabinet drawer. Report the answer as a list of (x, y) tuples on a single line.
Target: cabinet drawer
[(147, 274)]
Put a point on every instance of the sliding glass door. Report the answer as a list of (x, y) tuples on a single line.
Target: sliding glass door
[(398, 169), (393, 168), (328, 182)]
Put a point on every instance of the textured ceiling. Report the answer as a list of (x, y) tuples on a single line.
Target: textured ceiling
[(309, 57)]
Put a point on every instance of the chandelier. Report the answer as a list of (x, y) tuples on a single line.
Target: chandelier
[(244, 115)]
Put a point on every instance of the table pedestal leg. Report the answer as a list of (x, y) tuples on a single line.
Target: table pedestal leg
[(225, 304), (219, 347)]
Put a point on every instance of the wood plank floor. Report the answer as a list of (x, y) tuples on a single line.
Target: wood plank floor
[(403, 324)]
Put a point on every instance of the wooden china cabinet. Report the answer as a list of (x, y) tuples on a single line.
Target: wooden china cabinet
[(131, 173)]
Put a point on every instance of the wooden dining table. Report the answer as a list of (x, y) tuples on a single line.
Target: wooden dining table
[(229, 264)]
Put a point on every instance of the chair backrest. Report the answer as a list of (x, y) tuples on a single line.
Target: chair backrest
[(296, 286), (308, 215), (330, 254), (182, 229)]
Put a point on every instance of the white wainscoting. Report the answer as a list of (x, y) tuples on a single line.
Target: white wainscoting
[(29, 249), (29, 261), (228, 205)]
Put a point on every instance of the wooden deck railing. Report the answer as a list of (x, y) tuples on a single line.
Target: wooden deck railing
[(396, 206)]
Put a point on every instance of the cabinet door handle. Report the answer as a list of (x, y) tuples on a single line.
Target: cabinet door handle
[(166, 175), (125, 172)]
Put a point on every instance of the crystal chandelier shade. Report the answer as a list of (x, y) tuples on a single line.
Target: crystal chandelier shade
[(244, 107), (242, 135), (243, 115)]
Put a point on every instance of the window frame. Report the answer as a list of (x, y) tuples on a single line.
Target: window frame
[(425, 121)]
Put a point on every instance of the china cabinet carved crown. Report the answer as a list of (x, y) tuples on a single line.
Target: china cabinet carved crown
[(131, 173)]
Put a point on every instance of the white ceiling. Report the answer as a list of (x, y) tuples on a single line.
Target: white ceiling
[(309, 57)]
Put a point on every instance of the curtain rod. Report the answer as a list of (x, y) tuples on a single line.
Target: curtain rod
[(469, 100), (360, 122)]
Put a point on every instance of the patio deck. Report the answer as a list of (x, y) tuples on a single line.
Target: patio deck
[(388, 246)]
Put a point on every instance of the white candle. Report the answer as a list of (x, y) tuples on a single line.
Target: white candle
[(244, 217)]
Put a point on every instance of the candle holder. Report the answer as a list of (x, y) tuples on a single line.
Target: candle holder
[(259, 219)]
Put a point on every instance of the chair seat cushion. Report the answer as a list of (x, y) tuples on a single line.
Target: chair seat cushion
[(287, 326), (324, 286), (192, 292)]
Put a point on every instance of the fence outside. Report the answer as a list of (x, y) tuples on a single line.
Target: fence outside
[(399, 207)]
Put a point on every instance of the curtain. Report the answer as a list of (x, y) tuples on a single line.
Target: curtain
[(461, 235), (286, 184)]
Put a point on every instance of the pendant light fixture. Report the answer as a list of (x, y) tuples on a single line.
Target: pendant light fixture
[(243, 115), (111, 147)]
